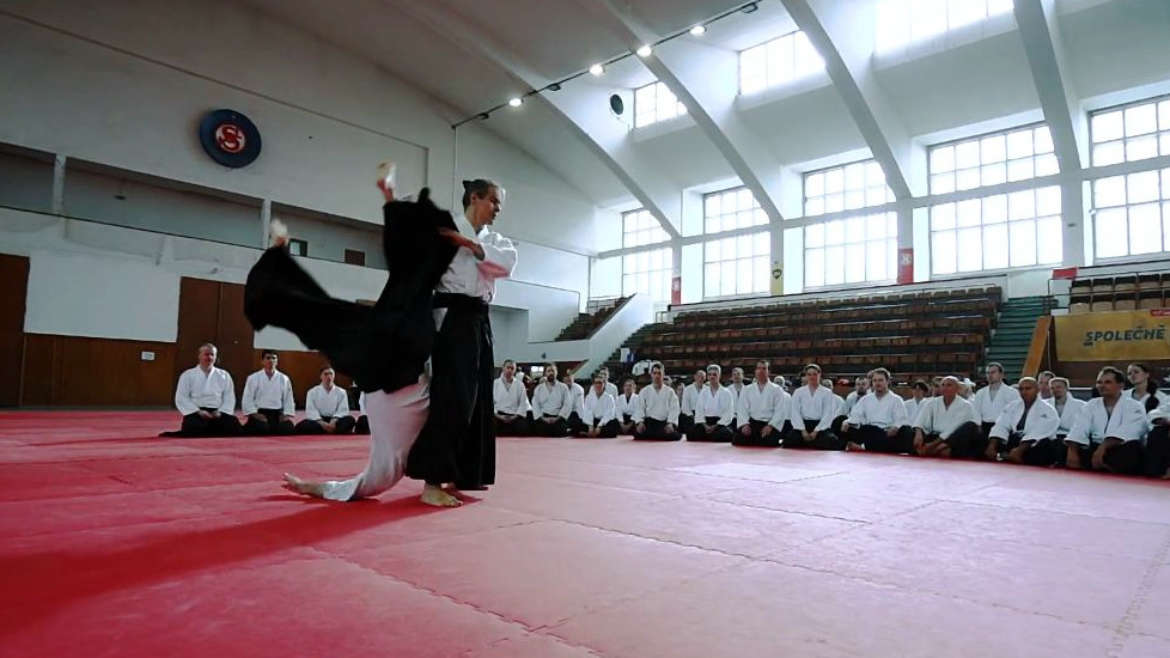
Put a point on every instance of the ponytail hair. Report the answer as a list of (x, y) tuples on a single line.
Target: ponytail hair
[(479, 187)]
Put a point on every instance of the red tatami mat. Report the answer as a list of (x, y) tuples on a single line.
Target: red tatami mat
[(116, 543)]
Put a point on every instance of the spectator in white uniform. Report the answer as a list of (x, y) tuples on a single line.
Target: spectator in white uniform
[(574, 409), (946, 426), (736, 388), (610, 387), (1044, 379), (1109, 435), (599, 412), (715, 410), (878, 421), (813, 409), (920, 391), (990, 402), (763, 411), (656, 413), (626, 402), (1026, 429), (860, 388), (511, 400), (1067, 406), (206, 398), (268, 399), (550, 404), (326, 408), (689, 400)]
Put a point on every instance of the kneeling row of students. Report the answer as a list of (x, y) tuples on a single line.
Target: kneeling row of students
[(1112, 432)]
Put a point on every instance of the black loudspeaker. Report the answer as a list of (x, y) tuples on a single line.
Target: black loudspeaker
[(617, 104)]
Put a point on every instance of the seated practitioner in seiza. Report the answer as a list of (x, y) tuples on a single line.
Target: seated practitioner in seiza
[(610, 387), (599, 412), (1110, 431), (814, 407), (715, 411), (689, 400), (1069, 409), (206, 397), (512, 406), (551, 403), (989, 403), (268, 399), (946, 424), (878, 420), (326, 408), (656, 412), (763, 412), (1026, 428), (626, 401), (576, 402)]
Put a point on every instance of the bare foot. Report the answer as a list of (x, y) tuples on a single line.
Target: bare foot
[(854, 447), (297, 485), (435, 496)]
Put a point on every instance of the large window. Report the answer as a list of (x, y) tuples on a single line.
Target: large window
[(992, 159), (1133, 132), (778, 61), (649, 273), (639, 228), (1003, 230), (1132, 214), (857, 185), (737, 266), (731, 209), (900, 22), (654, 103), (852, 250)]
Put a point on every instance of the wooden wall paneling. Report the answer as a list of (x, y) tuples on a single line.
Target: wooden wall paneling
[(198, 320), (234, 336), (13, 296), (37, 378)]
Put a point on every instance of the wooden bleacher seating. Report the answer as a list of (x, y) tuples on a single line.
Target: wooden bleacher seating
[(915, 334), (1124, 292)]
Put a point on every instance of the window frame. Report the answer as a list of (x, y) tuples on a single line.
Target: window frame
[(759, 217), (659, 88), (868, 164), (890, 238), (978, 140), (1007, 223)]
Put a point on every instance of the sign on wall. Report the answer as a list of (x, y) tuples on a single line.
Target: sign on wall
[(1109, 335), (230, 138)]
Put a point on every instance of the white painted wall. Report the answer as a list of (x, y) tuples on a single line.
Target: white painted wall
[(326, 116)]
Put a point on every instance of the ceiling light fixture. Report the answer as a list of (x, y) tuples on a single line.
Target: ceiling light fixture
[(598, 69)]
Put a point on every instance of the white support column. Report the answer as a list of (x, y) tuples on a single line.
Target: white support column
[(265, 222), (58, 200)]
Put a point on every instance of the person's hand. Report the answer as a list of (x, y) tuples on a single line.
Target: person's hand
[(387, 172), (746, 430), (1099, 457), (641, 428), (992, 450), (1016, 455), (891, 431), (804, 434), (812, 436), (919, 443), (766, 431), (205, 415), (1073, 457), (845, 427), (669, 428), (258, 416), (331, 427), (459, 240), (287, 417)]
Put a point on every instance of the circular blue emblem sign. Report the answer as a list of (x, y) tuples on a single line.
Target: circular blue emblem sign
[(230, 138)]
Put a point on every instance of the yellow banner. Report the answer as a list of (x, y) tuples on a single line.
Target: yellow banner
[(1109, 335)]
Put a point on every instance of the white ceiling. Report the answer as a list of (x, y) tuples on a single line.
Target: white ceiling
[(1111, 45)]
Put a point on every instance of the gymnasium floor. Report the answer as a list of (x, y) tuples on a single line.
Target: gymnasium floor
[(114, 543)]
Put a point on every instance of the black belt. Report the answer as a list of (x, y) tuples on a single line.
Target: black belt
[(460, 302)]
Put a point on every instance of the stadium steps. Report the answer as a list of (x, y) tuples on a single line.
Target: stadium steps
[(1013, 332)]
